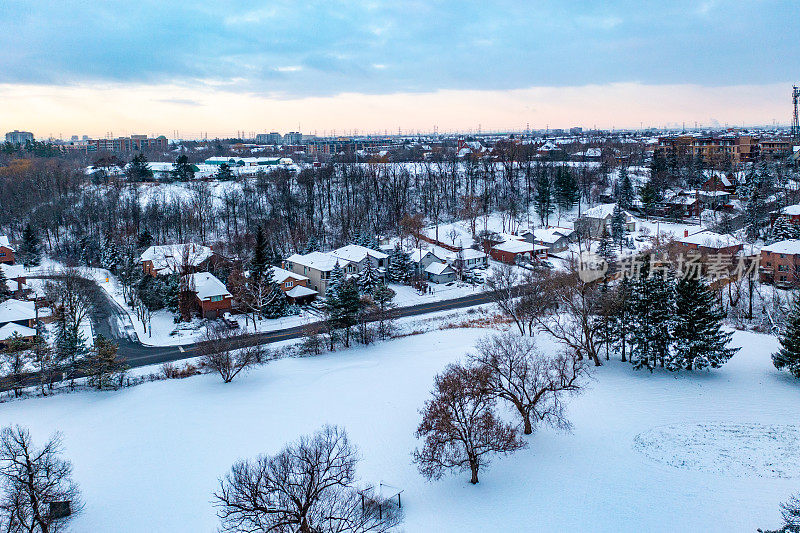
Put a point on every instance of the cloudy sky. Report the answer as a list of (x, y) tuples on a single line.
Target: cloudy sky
[(92, 67)]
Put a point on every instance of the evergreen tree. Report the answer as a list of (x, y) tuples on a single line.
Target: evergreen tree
[(335, 282), (276, 304), (625, 194), (110, 255), (620, 318), (698, 337), (650, 197), (543, 197), (400, 268), (347, 308), (311, 245), (182, 169), (5, 292), (70, 342), (566, 192), (618, 227), (784, 229), (260, 260), (605, 248), (652, 309), (224, 172), (31, 252), (144, 241), (138, 169), (788, 356), (368, 279)]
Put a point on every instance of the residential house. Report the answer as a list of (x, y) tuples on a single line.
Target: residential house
[(683, 205), (15, 280), (791, 212), (212, 296), (440, 273), (293, 285), (20, 312), (6, 251), (176, 259), (317, 267), (422, 259), (708, 242), (552, 239), (357, 256), (514, 251), (594, 220), (467, 259), (9, 330), (780, 263), (719, 183)]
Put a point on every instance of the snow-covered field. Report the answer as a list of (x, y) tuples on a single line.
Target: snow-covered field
[(649, 452)]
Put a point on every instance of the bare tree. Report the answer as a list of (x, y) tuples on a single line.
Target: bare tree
[(503, 288), (533, 383), (38, 494), (14, 357), (219, 354), (459, 425), (307, 487), (573, 318)]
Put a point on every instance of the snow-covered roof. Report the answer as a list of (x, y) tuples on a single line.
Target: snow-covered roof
[(8, 330), (709, 239), (790, 246), (514, 247), (324, 262), (171, 257), (300, 291), (280, 275), (548, 235), (438, 268), (791, 210), (417, 254), (206, 285), (355, 253), (600, 211), (14, 310), (5, 243)]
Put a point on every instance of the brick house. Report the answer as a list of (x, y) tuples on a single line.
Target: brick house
[(212, 297), (780, 263), (293, 285), (513, 251), (708, 242), (6, 251), (22, 313), (720, 184)]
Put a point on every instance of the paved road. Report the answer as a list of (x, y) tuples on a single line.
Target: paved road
[(111, 321)]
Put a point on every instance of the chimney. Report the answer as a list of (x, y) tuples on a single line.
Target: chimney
[(685, 233)]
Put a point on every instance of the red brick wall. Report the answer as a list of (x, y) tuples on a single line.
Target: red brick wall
[(9, 257), (215, 308), (771, 264)]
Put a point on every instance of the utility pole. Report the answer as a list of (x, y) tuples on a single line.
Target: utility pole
[(795, 123)]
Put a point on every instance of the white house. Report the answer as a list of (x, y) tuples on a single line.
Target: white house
[(440, 273)]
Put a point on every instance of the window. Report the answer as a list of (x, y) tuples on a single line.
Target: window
[(289, 284), (217, 298), (380, 262), (2, 254)]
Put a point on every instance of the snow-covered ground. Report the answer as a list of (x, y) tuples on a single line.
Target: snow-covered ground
[(705, 452)]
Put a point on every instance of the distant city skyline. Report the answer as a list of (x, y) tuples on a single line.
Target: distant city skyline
[(220, 68)]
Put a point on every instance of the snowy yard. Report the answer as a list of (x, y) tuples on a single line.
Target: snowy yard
[(649, 452)]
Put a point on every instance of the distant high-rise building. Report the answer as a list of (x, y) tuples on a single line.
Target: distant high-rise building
[(269, 138), (293, 138), (576, 130), (19, 137), (134, 143)]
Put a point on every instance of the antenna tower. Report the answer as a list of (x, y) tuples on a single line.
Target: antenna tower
[(795, 123)]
